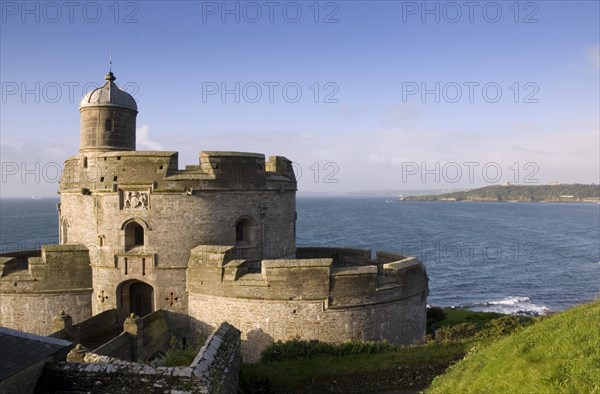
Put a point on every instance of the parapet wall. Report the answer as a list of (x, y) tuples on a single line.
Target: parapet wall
[(334, 295), (340, 277), (93, 327), (35, 287), (214, 370), (141, 339), (89, 172)]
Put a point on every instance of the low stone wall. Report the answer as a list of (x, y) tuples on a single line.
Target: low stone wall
[(94, 326), (116, 378), (156, 335), (120, 347), (214, 370), (218, 362)]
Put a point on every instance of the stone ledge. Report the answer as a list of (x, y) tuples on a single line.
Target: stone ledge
[(360, 270), (402, 264), (297, 263)]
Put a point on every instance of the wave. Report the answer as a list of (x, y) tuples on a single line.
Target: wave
[(513, 305)]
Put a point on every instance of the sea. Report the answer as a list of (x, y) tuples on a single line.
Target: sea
[(514, 258)]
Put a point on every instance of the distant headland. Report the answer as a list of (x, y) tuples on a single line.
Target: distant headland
[(519, 193)]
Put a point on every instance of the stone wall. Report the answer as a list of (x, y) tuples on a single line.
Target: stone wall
[(262, 322), (310, 298), (156, 335), (93, 135), (218, 362), (94, 326), (182, 209), (116, 378), (141, 339), (35, 288), (120, 347), (214, 370)]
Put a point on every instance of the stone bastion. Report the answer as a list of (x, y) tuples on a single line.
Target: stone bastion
[(327, 294)]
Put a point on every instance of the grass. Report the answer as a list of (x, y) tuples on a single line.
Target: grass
[(293, 373), (295, 364), (559, 354), (178, 355)]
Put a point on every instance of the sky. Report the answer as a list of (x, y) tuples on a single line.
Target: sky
[(360, 95)]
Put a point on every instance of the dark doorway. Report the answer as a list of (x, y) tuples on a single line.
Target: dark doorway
[(141, 297)]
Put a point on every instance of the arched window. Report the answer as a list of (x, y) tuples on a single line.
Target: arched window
[(244, 231), (134, 235), (108, 125)]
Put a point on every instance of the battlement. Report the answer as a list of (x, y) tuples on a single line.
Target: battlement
[(36, 285), (54, 268), (107, 171), (340, 277)]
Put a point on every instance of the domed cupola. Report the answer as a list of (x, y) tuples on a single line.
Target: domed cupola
[(108, 118)]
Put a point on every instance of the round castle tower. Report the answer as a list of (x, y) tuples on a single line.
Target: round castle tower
[(140, 215), (108, 117)]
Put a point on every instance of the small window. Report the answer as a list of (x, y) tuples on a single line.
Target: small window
[(138, 235), (101, 179), (134, 235), (108, 125), (85, 162), (243, 230), (115, 178), (239, 231)]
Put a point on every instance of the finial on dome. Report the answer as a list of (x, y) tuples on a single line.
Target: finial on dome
[(110, 76)]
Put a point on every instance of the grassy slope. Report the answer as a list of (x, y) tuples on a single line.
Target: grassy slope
[(292, 373), (560, 354)]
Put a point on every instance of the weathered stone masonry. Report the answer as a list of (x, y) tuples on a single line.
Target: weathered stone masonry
[(208, 243)]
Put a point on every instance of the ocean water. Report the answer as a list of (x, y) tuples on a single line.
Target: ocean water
[(528, 258)]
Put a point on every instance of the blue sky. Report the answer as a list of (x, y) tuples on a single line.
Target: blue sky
[(362, 57)]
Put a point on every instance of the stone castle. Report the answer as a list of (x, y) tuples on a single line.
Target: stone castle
[(210, 243)]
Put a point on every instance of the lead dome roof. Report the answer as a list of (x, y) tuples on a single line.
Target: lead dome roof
[(109, 95)]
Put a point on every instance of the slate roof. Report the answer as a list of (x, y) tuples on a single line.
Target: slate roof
[(19, 350)]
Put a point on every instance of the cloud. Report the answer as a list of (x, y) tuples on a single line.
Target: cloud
[(593, 55), (32, 167), (347, 113), (143, 138), (400, 113)]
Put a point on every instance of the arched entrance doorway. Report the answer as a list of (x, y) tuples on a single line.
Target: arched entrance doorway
[(135, 297)]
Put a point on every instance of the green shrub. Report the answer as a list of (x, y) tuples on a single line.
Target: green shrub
[(178, 355), (434, 315), (503, 326), (456, 332), (296, 349)]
